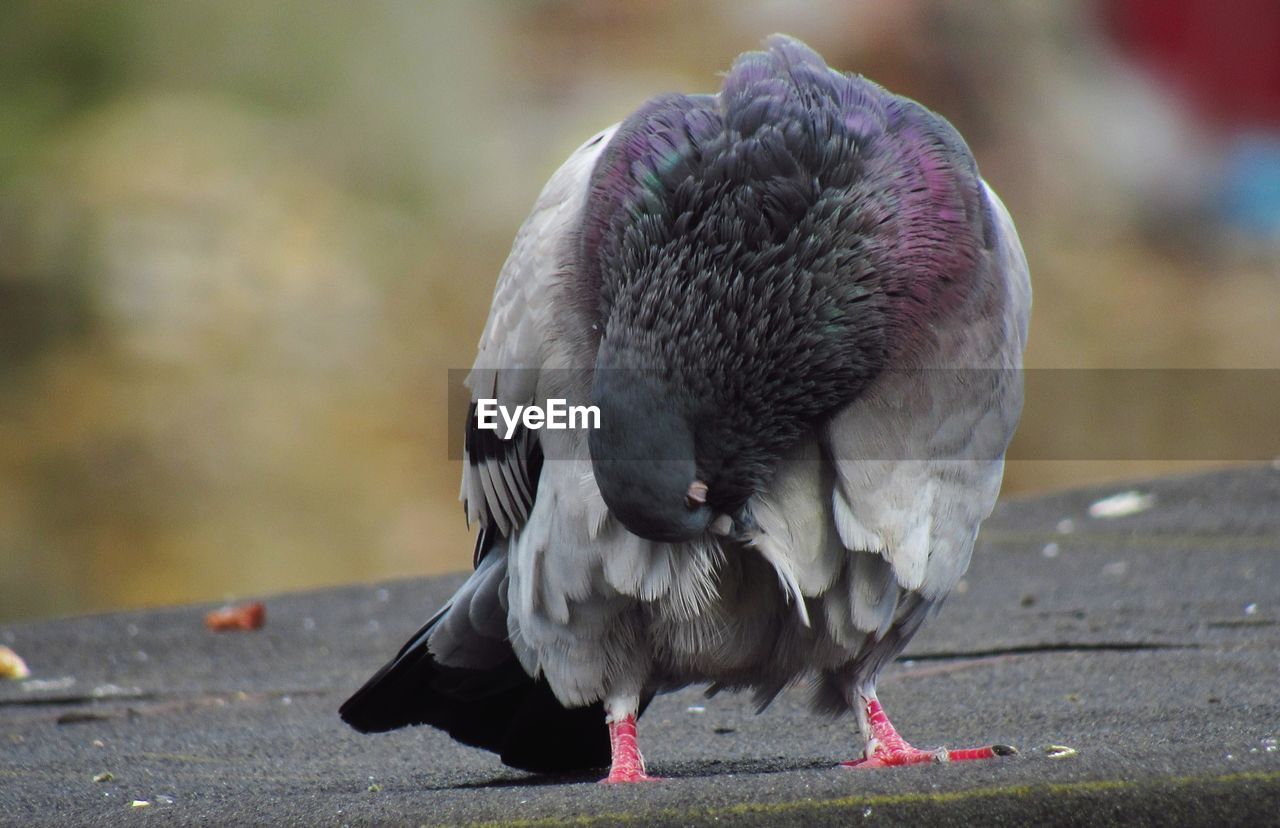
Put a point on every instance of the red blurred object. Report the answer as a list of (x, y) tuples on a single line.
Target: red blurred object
[(249, 616), (1223, 57)]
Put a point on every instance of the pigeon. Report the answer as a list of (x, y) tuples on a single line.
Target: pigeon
[(799, 314)]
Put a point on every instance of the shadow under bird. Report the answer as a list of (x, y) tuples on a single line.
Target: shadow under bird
[(801, 314)]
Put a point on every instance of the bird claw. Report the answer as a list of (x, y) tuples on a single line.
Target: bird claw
[(628, 763), (624, 777), (907, 755), (886, 749)]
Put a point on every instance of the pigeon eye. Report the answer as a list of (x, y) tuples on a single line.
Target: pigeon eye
[(697, 494)]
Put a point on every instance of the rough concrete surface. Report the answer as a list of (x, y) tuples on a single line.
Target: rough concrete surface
[(1149, 643)]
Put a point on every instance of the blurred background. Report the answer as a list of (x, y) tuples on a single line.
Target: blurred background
[(242, 243)]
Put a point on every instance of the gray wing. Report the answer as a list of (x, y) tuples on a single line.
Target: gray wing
[(571, 575), (499, 476), (920, 456), (876, 520), (469, 670)]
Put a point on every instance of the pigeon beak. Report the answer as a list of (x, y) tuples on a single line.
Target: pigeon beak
[(697, 494), (722, 525)]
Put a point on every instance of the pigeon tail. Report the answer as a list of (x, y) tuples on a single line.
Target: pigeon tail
[(498, 706), (500, 709)]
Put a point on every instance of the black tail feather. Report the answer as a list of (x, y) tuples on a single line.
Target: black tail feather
[(501, 709)]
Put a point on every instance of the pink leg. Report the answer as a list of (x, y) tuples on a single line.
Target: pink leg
[(628, 764), (885, 748)]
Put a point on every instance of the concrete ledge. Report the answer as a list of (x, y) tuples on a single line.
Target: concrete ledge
[(1146, 642)]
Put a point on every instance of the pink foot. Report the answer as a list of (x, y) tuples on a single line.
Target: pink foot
[(887, 749), (628, 764)]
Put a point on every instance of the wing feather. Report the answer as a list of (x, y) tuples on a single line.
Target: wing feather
[(877, 517), (499, 477)]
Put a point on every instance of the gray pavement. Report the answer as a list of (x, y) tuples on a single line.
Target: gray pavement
[(1147, 643)]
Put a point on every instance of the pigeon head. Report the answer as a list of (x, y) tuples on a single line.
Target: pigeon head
[(644, 456), (753, 260)]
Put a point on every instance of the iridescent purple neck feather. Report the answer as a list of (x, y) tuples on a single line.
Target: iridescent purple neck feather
[(769, 250)]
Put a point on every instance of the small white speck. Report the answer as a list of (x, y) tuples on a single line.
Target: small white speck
[(1058, 752), (1122, 504), (308, 623), (1116, 569), (1066, 526), (383, 595), (1251, 609), (697, 709), (286, 700), (1050, 550), (38, 685), (104, 691), (1230, 758), (162, 799), (141, 655), (131, 630), (866, 813)]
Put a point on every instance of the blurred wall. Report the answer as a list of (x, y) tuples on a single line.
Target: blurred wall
[(242, 243)]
